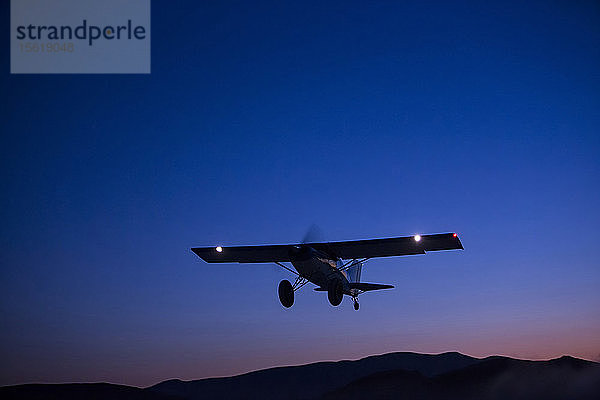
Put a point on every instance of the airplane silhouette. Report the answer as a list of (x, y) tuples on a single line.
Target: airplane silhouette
[(335, 267)]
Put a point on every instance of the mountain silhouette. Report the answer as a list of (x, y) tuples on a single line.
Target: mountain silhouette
[(72, 391), (396, 375), (491, 378), (312, 380)]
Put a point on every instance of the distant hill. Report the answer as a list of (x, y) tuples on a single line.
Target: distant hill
[(395, 375), (492, 378), (312, 380), (72, 391)]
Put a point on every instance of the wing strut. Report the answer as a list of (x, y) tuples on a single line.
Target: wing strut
[(352, 262), (285, 267)]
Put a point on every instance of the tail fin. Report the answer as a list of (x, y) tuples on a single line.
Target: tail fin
[(356, 286)]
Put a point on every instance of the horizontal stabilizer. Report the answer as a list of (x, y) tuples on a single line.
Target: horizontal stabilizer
[(365, 287)]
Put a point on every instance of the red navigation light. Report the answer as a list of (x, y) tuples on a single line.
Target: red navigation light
[(454, 234)]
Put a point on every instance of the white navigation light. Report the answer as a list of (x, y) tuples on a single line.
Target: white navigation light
[(417, 238), (219, 249)]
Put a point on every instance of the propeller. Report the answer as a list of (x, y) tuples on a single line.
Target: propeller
[(313, 234)]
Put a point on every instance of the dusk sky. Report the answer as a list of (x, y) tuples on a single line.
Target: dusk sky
[(369, 119)]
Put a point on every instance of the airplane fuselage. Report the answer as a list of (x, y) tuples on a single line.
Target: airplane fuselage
[(317, 267)]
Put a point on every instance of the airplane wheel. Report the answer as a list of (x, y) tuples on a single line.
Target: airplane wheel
[(286, 293), (335, 292), (356, 305)]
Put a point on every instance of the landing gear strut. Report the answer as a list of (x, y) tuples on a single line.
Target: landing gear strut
[(356, 305)]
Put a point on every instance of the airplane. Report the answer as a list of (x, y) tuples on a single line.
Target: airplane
[(335, 267)]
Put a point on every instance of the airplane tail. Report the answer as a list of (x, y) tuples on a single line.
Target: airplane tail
[(355, 285), (365, 287), (353, 275)]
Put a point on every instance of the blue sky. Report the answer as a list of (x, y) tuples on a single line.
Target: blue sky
[(258, 120)]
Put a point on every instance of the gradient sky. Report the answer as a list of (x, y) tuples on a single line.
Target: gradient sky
[(370, 120)]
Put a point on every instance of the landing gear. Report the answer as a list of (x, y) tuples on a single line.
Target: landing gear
[(335, 292), (356, 305), (286, 293)]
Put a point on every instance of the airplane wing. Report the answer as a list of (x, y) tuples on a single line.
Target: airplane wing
[(353, 249), (399, 246), (244, 254)]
